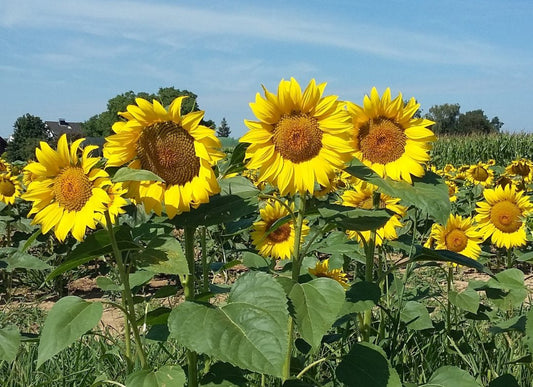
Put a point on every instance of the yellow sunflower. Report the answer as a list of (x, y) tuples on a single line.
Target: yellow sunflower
[(452, 190), (459, 235), (480, 174), (322, 270), (278, 243), (522, 168), (300, 138), (67, 191), (361, 197), (388, 138), (176, 148), (4, 166), (10, 188), (501, 216), (117, 194)]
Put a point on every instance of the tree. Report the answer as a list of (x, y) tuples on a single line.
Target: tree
[(496, 123), (445, 116), (28, 132), (223, 130), (475, 121), (100, 125)]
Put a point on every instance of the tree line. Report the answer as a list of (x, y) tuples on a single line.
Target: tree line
[(449, 120)]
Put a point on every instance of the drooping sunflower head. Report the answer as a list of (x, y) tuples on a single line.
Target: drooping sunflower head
[(362, 196), (272, 236), (322, 270), (176, 148), (67, 190), (522, 168), (10, 188), (459, 235), (480, 173), (300, 138), (389, 139), (501, 216)]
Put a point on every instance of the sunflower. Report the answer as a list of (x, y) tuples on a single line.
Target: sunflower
[(388, 138), (300, 138), (501, 216), (480, 173), (4, 166), (67, 191), (458, 235), (10, 188), (277, 243), (362, 197), (322, 270), (116, 193), (522, 168), (176, 148), (452, 190)]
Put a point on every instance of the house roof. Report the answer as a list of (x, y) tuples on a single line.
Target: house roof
[(61, 126)]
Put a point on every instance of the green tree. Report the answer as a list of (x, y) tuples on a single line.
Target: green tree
[(474, 121), (28, 131), (223, 130), (446, 117), (496, 123), (100, 125)]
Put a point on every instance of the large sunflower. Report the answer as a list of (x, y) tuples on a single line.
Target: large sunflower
[(176, 148), (362, 197), (67, 191), (300, 138), (277, 243), (501, 216), (322, 270), (10, 188), (458, 235), (388, 138)]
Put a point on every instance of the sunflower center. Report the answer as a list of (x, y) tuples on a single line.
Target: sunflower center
[(72, 188), (280, 234), (7, 188), (505, 216), (480, 174), (297, 137), (382, 141), (456, 240), (166, 149), (521, 169)]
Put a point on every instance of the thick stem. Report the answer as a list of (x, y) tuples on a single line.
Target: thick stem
[(126, 293), (205, 268), (188, 288), (449, 305)]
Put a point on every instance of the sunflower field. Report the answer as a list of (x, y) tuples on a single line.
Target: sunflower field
[(333, 246)]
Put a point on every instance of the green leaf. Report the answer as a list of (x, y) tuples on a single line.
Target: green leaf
[(166, 376), (164, 255), (507, 289), (447, 376), (415, 316), (66, 322), (429, 193), (236, 162), (238, 197), (425, 254), (250, 331), (367, 365), (140, 277), (505, 380), (224, 375), (361, 296), (529, 330), (9, 343), (20, 260), (317, 304), (107, 284), (254, 261), (467, 300), (350, 218), (517, 323), (130, 174), (524, 257)]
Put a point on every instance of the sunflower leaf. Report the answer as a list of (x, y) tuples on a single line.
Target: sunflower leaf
[(350, 218), (131, 174), (425, 254), (9, 343), (167, 375)]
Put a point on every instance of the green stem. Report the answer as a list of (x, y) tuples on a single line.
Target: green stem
[(205, 268), (510, 260), (296, 267), (188, 288), (126, 293), (449, 305)]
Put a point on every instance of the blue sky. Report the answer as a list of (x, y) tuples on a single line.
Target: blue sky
[(68, 58)]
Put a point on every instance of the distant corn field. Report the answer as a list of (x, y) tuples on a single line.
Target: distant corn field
[(502, 147)]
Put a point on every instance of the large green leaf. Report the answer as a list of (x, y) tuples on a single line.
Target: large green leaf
[(9, 343), (20, 260), (367, 365), (425, 254), (361, 296), (507, 289), (164, 255), (350, 218), (505, 380), (317, 304), (66, 322), (416, 316), (250, 331), (238, 197), (467, 300), (429, 193), (166, 376), (131, 174), (448, 376)]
